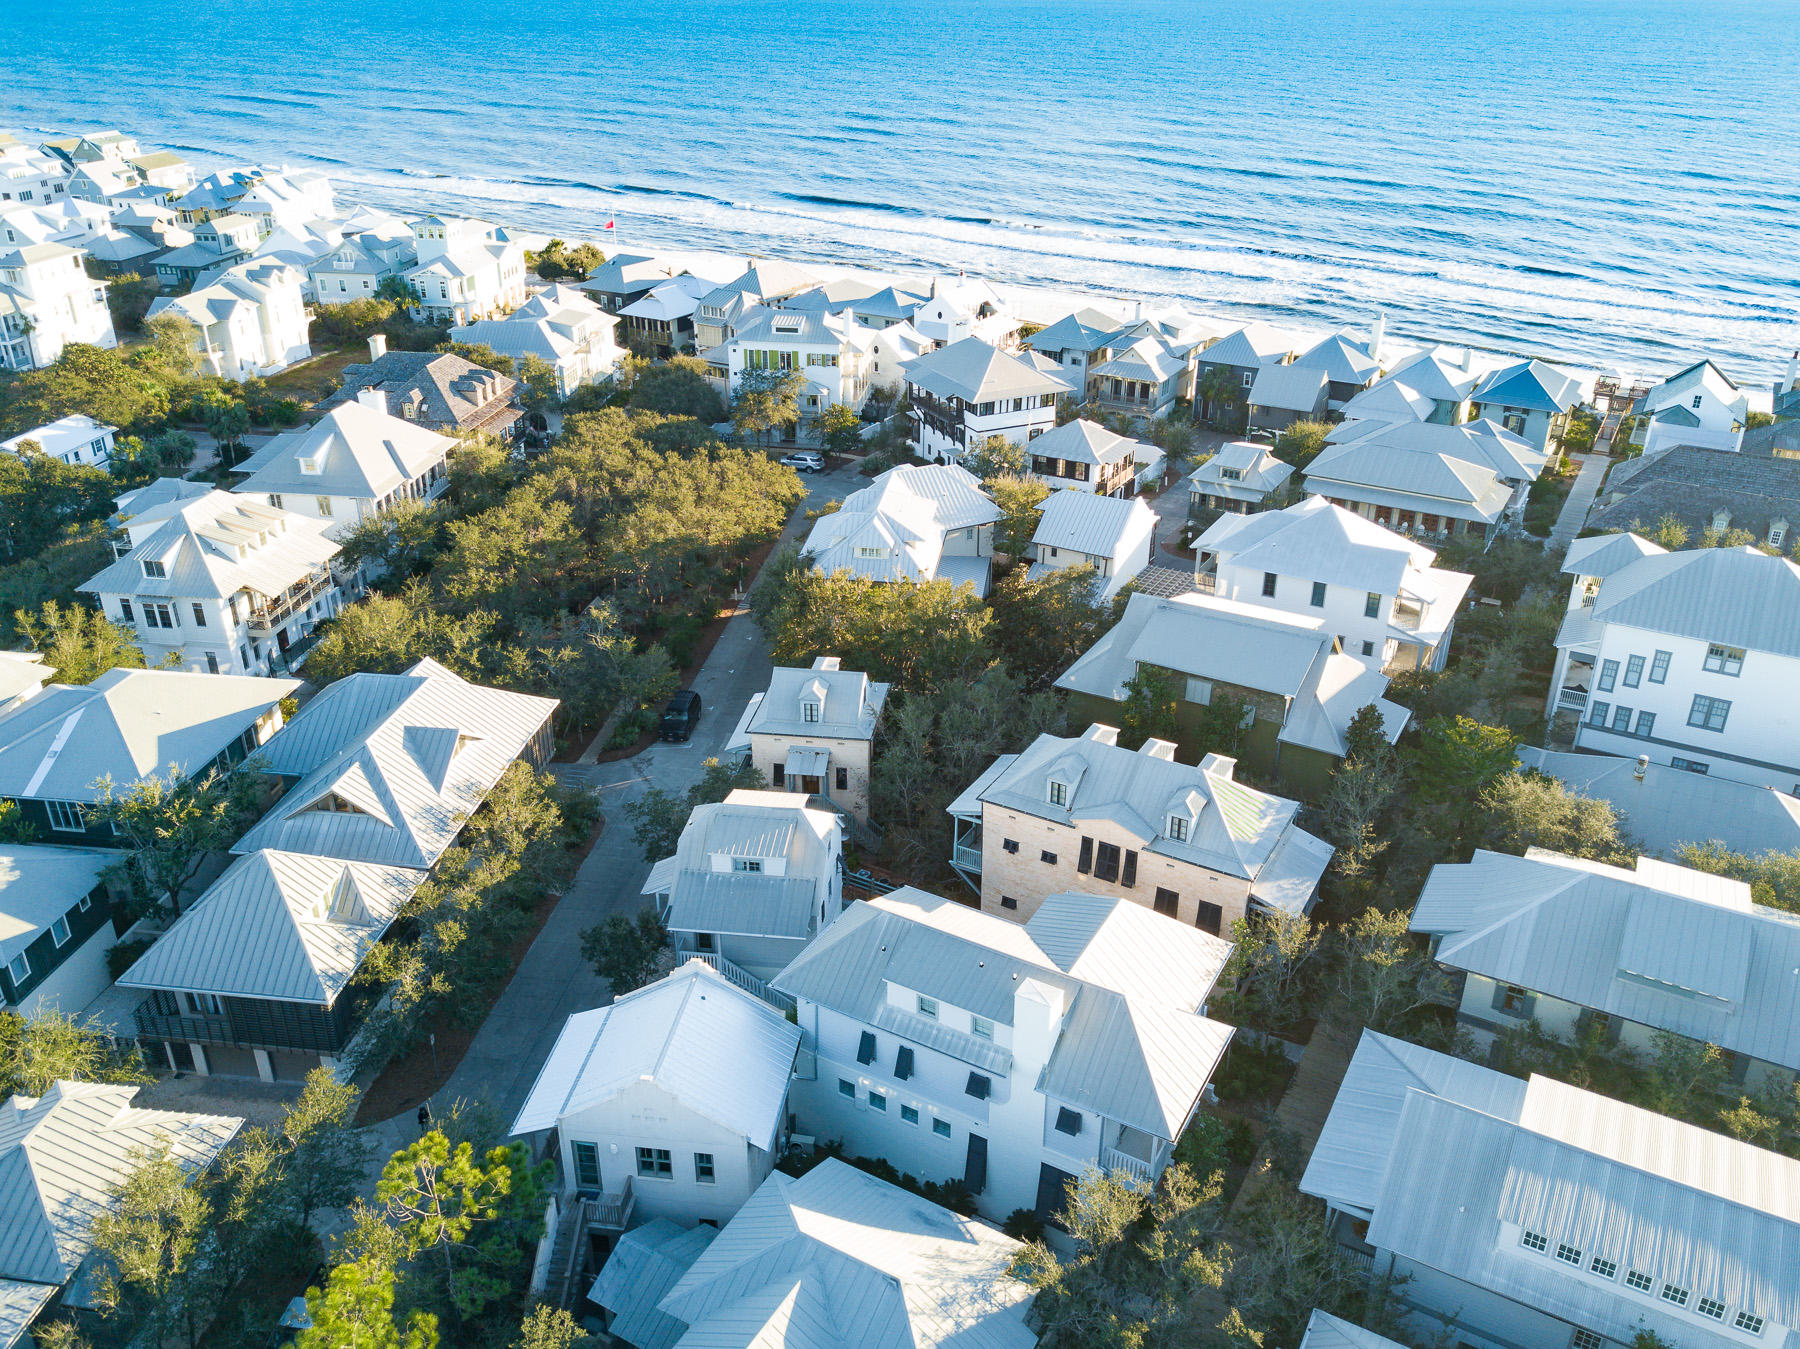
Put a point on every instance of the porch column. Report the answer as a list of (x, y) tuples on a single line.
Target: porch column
[(264, 1069), (200, 1064)]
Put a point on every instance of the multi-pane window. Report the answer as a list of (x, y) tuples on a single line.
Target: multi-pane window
[(19, 968), (846, 1088), (941, 1127), (1621, 718), (1569, 1255), (1106, 862), (655, 1162), (1178, 826), (928, 1007), (1517, 1001), (153, 568), (809, 711), (66, 816), (877, 1101), (1609, 675), (1583, 1338), (1318, 595), (199, 616), (59, 931), (703, 1167), (587, 1165), (205, 1004), (1372, 605), (1707, 1306), (1534, 1241), (125, 610), (1646, 723), (1674, 1292), (1059, 793), (909, 1114), (1269, 579), (1690, 766), (750, 864), (159, 615), (1637, 1279), (1634, 671), (1659, 667), (1597, 712), (1606, 1269), (1748, 1323), (1709, 714), (1727, 660), (981, 1027)]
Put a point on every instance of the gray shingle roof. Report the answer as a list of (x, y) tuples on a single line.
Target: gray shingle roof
[(451, 394), (281, 926), (391, 766), (1133, 1046), (127, 724), (1663, 946)]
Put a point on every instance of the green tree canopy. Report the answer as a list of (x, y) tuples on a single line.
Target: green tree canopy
[(1021, 502), (80, 643), (41, 496), (168, 826), (48, 1047), (625, 951), (678, 387), (479, 353), (840, 428)]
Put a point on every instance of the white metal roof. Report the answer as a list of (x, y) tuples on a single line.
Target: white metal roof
[(359, 452), (127, 724), (643, 1267), (1736, 596), (723, 1053), (390, 766), (1083, 442), (1099, 526), (281, 926), (1317, 541), (39, 884), (837, 1257), (893, 529), (215, 546), (1604, 554), (1289, 388), (849, 702), (64, 434), (60, 1155), (1259, 471), (979, 372), (1325, 1331)]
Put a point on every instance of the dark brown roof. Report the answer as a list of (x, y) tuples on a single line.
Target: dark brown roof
[(449, 393), (1694, 484)]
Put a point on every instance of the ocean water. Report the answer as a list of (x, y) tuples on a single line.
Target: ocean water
[(1613, 182)]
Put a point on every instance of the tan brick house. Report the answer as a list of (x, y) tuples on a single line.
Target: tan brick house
[(811, 731)]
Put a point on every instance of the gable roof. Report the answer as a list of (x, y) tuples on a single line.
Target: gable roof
[(1532, 385), (1482, 442), (215, 546), (766, 825), (446, 389), (1084, 330), (905, 513), (287, 927), (1410, 478), (1735, 596), (1255, 344), (22, 672), (1604, 554), (1317, 541), (850, 703), (361, 453), (1664, 946), (723, 1053), (838, 1257), (127, 724), (39, 884), (1343, 359), (60, 1155), (1099, 526), (644, 1265), (1325, 1331), (1663, 807), (1289, 388), (1430, 374), (1083, 442), (979, 372), (1261, 472), (1132, 1046), (391, 766), (1390, 400)]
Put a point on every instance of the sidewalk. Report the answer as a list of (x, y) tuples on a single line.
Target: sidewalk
[(1581, 496)]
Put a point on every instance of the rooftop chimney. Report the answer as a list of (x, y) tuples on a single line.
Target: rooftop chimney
[(1377, 331), (1037, 1021), (1793, 372), (828, 663), (1158, 749), (377, 346), (373, 398), (1643, 766), (1101, 734), (1220, 764), (1468, 360)]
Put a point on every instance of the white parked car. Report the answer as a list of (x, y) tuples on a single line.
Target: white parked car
[(806, 461)]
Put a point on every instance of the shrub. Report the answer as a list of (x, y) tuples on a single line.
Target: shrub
[(124, 955), (1023, 1225), (1250, 1071)]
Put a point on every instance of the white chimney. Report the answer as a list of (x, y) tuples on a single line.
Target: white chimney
[(1377, 331), (1158, 749), (1643, 766), (1037, 1021), (828, 662), (1219, 764), (373, 398), (1137, 309), (377, 346), (1793, 371), (1101, 734), (1468, 359)]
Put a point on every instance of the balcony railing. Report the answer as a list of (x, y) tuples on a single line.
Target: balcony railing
[(1408, 617), (206, 1029), (1111, 1159), (745, 980), (273, 614), (612, 1211), (1575, 698), (963, 855)]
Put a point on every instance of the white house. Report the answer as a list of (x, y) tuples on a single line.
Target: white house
[(890, 349), (250, 321), (752, 880), (831, 352), (1377, 590), (288, 199), (74, 439), (560, 325), (56, 926), (47, 302), (355, 269), (669, 1103), (1581, 948), (466, 270), (833, 1257), (961, 307), (1426, 478), (62, 1155), (913, 523), (813, 731), (354, 461), (1530, 398), (225, 584), (1111, 535), (1241, 477), (970, 390), (1534, 1213), (764, 281), (1433, 385), (963, 1047), (1075, 343), (1190, 842), (1083, 456), (1700, 405), (1299, 692), (30, 175), (1690, 657)]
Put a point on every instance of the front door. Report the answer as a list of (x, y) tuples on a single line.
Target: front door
[(809, 783), (587, 1166)]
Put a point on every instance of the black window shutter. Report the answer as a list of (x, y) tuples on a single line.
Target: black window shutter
[(1085, 863), (975, 1171), (979, 1086), (1129, 879), (1068, 1121), (865, 1052), (1209, 917), (903, 1063)]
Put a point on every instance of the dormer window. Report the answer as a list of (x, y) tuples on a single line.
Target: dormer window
[(862, 551), (1178, 828), (753, 865), (1059, 794), (809, 711), (308, 464), (1777, 533), (154, 569)]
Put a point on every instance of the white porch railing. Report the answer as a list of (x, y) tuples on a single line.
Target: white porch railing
[(1111, 1159), (745, 980)]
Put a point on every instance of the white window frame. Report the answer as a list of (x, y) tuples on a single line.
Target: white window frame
[(19, 967), (928, 1007), (67, 817), (59, 932)]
